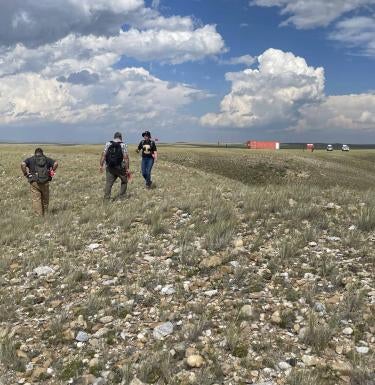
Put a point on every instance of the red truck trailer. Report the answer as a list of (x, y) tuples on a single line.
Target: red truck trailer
[(256, 145)]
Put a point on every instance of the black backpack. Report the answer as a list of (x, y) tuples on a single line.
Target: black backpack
[(41, 169), (114, 155)]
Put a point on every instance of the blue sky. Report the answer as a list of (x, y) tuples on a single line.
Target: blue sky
[(213, 70)]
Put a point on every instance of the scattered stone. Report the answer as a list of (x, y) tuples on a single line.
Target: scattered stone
[(107, 319), (101, 333), (362, 349), (168, 290), (195, 361), (276, 318), (93, 246), (210, 293), (347, 331), (247, 311), (310, 360), (82, 336), (284, 365), (238, 243), (43, 270), (210, 262), (163, 330), (319, 307)]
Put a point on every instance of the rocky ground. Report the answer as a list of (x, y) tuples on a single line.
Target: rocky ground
[(201, 280)]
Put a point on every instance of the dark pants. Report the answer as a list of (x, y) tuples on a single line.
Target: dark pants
[(147, 164), (111, 175)]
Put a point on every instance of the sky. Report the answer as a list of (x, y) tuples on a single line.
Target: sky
[(76, 71)]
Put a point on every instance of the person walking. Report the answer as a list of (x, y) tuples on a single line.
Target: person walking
[(115, 156), (149, 156), (39, 170)]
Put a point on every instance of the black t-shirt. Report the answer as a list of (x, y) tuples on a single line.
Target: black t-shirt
[(30, 163), (148, 147)]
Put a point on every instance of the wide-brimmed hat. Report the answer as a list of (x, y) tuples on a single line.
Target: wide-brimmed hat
[(146, 133)]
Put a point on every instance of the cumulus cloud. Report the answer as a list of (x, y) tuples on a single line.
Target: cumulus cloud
[(287, 94), (131, 94), (57, 61), (274, 92), (306, 14), (345, 112)]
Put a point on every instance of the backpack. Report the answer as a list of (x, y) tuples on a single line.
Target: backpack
[(41, 169), (114, 155)]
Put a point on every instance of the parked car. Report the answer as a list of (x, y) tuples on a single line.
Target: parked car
[(330, 147), (345, 147)]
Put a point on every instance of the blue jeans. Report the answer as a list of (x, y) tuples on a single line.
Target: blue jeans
[(147, 164)]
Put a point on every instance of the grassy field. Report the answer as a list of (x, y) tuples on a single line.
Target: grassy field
[(260, 263)]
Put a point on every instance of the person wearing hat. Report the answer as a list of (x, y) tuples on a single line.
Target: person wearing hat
[(149, 156)]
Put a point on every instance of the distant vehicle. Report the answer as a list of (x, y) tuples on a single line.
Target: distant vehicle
[(330, 147), (345, 147)]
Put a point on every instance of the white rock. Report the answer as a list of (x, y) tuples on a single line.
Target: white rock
[(210, 293), (168, 290), (362, 349), (93, 246), (347, 331), (283, 365), (82, 336), (43, 270), (163, 330)]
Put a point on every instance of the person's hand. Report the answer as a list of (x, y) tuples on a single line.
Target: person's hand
[(101, 168)]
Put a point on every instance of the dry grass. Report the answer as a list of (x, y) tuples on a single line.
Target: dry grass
[(160, 237)]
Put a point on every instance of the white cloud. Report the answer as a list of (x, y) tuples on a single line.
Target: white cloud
[(345, 112), (131, 94), (313, 13), (244, 59), (357, 32), (285, 93), (62, 68), (273, 93), (37, 22)]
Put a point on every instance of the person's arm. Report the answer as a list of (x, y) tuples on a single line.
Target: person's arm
[(139, 146), (25, 169), (154, 151), (101, 162), (52, 164), (102, 158), (126, 157)]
